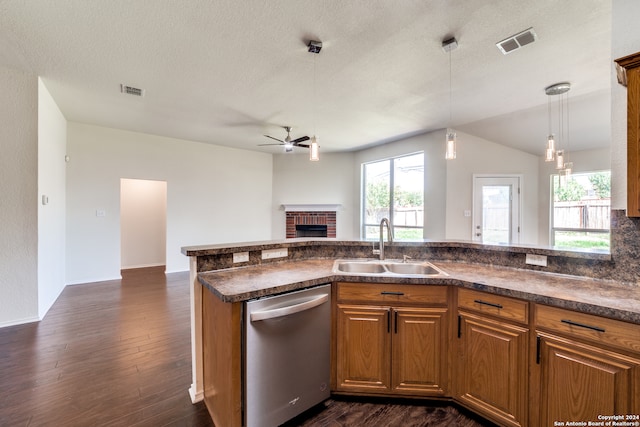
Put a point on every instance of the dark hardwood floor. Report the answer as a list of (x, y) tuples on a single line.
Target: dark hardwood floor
[(117, 353), (113, 353)]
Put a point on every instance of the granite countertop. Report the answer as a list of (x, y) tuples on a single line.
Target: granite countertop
[(600, 297)]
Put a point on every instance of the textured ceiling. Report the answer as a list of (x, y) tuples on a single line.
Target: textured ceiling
[(226, 71)]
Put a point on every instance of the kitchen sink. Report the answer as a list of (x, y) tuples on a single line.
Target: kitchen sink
[(424, 269), (387, 268), (360, 267)]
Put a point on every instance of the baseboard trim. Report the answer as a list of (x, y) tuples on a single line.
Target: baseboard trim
[(196, 396), (19, 322)]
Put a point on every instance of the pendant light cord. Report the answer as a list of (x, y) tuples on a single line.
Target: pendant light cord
[(450, 92), (315, 99)]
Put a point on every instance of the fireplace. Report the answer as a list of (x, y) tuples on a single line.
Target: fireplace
[(308, 230), (310, 221)]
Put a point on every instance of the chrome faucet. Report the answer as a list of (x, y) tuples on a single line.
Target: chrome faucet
[(389, 236)]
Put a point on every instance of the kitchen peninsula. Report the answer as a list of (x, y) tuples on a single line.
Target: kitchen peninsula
[(489, 309)]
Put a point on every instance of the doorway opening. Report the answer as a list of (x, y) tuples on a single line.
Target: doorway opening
[(143, 223), (496, 209)]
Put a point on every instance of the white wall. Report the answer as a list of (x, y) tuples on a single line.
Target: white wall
[(479, 156), (583, 161), (625, 40), (18, 204), (143, 223), (52, 145), (214, 195), (434, 177), (296, 180)]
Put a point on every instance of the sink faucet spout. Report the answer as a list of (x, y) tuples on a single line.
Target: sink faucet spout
[(385, 221)]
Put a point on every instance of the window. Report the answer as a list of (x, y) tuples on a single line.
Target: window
[(581, 205), (394, 189)]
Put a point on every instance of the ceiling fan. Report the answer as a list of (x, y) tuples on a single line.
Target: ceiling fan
[(288, 142)]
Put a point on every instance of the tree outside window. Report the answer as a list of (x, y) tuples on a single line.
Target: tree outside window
[(397, 183)]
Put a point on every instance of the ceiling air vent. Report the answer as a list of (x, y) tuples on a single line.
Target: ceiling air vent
[(517, 41), (130, 90)]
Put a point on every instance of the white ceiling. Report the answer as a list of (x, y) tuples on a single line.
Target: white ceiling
[(227, 71)]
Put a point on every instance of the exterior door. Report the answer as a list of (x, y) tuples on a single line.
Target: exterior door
[(496, 209)]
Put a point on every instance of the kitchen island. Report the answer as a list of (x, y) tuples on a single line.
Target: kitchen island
[(524, 293)]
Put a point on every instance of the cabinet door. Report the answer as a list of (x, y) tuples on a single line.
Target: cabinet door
[(579, 382), (492, 369), (363, 348), (419, 343)]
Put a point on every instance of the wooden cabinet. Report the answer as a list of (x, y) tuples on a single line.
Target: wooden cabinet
[(391, 339), (492, 356), (629, 75), (585, 366)]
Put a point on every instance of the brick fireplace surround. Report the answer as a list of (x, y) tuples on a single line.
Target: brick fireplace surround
[(327, 218)]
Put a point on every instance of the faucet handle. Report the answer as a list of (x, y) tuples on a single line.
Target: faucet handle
[(405, 258)]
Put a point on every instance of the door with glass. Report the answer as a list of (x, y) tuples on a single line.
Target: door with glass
[(496, 209)]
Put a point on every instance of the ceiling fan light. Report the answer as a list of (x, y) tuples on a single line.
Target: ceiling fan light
[(288, 147), (314, 155)]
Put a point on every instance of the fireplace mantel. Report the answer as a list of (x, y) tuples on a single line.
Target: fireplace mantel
[(311, 207)]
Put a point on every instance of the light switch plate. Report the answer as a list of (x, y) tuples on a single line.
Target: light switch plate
[(275, 253), (241, 257), (540, 260)]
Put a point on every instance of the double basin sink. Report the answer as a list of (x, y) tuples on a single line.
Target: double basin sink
[(387, 268)]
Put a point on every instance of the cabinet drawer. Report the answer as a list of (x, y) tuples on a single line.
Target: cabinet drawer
[(587, 326), (496, 305), (385, 293)]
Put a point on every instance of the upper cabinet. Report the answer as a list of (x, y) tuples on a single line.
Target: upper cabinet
[(628, 69)]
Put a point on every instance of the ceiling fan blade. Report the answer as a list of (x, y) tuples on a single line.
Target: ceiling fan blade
[(268, 136), (302, 145), (302, 138), (263, 145)]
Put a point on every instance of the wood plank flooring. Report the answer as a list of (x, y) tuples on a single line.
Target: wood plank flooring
[(112, 353), (117, 353)]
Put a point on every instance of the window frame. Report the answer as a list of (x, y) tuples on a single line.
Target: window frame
[(552, 220), (363, 194)]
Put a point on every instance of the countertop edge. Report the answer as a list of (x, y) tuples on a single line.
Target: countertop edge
[(323, 276)]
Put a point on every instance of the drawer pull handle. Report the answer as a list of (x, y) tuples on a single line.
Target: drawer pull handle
[(582, 325), (490, 304), (391, 293)]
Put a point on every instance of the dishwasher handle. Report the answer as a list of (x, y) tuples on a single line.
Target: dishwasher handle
[(288, 310)]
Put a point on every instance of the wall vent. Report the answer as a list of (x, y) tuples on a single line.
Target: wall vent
[(130, 90), (517, 41)]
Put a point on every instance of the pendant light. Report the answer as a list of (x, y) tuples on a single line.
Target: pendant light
[(314, 155), (557, 146), (448, 45)]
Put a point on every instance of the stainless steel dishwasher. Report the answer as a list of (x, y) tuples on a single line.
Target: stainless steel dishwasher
[(287, 351)]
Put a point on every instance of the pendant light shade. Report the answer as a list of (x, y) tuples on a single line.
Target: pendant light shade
[(550, 152), (450, 154), (560, 159), (314, 156)]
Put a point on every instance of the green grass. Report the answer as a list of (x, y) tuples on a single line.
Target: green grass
[(582, 240), (373, 233)]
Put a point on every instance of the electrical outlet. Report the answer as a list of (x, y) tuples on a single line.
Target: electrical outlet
[(241, 257), (101, 213), (540, 260), (275, 253)]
